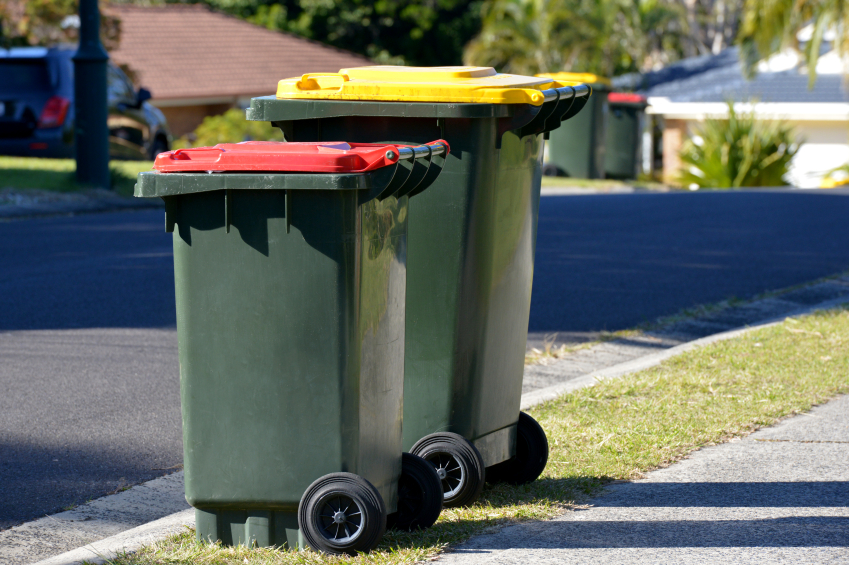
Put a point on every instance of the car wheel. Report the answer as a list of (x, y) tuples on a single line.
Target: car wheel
[(159, 146)]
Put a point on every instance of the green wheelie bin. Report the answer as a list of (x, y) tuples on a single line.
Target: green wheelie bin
[(471, 242), (623, 137), (290, 277), (578, 148)]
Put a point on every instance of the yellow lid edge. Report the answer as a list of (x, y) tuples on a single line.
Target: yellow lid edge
[(286, 90), (588, 78)]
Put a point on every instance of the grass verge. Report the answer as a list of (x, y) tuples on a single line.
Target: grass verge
[(603, 184), (616, 430), (58, 174), (550, 352)]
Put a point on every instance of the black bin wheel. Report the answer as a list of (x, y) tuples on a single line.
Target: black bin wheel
[(342, 513), (458, 464), (530, 459), (419, 495)]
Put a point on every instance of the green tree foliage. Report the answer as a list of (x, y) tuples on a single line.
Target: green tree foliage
[(606, 37), (229, 127), (43, 22), (738, 151), (770, 26), (412, 32)]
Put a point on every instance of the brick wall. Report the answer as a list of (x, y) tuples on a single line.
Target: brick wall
[(185, 119), (674, 134)]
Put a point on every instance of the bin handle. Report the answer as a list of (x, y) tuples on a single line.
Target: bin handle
[(436, 148), (580, 90), (308, 81)]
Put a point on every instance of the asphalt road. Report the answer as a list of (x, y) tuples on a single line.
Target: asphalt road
[(88, 364), (614, 262)]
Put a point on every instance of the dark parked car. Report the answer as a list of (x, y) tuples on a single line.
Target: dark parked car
[(37, 108)]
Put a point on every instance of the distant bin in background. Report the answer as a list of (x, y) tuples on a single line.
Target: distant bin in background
[(576, 149), (623, 145), (290, 276)]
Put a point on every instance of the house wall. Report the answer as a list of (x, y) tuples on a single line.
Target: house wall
[(674, 134), (826, 147), (185, 119)]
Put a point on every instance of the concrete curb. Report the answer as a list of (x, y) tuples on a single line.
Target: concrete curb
[(130, 540), (536, 397), (133, 539), (92, 206)]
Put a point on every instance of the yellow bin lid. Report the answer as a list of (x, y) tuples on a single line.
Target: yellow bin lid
[(418, 84), (576, 78)]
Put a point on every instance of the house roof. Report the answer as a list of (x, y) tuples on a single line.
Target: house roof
[(717, 78), (188, 51)]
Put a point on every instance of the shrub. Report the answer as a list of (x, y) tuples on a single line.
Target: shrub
[(229, 127), (738, 151)]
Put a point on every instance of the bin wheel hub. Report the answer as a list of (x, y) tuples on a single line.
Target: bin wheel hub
[(339, 517), (449, 471)]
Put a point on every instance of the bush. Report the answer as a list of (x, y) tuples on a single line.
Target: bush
[(229, 127), (738, 151)]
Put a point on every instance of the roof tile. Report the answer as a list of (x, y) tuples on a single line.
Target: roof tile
[(717, 78), (189, 51)]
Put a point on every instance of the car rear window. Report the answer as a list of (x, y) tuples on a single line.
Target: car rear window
[(21, 76)]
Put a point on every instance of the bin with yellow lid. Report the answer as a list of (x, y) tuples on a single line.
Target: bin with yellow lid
[(470, 246), (578, 148)]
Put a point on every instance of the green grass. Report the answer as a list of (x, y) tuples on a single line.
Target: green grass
[(616, 430), (57, 175), (601, 184)]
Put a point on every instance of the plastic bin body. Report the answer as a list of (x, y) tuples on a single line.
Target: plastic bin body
[(290, 320), (623, 141), (577, 148), (471, 244)]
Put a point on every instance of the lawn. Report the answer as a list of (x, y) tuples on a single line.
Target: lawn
[(616, 430), (57, 175), (602, 184)]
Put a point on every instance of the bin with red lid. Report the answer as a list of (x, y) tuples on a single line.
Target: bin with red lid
[(290, 276), (623, 138)]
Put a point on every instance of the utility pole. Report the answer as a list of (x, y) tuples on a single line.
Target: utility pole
[(91, 136)]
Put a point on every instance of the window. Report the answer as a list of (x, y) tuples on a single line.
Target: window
[(119, 88)]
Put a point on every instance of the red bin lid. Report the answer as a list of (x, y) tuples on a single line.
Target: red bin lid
[(280, 156), (626, 97)]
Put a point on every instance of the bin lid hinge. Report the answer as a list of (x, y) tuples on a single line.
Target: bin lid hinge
[(288, 210), (417, 174), (228, 206), (170, 213)]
